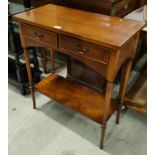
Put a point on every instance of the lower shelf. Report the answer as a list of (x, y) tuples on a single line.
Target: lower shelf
[(88, 102)]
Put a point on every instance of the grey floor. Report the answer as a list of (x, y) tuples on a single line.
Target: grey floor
[(55, 130)]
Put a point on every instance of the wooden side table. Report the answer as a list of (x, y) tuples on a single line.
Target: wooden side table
[(93, 39)]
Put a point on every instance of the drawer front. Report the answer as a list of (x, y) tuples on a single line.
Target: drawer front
[(85, 49), (37, 34), (124, 7)]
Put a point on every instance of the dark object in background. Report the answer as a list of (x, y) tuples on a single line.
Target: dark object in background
[(18, 75), (27, 4), (17, 72)]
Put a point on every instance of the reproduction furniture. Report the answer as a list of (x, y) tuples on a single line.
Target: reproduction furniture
[(109, 7), (101, 42), (75, 69), (16, 68)]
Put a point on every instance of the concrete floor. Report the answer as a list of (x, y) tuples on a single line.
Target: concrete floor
[(56, 130)]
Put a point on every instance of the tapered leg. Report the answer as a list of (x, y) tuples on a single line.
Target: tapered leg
[(118, 112), (27, 59), (119, 102), (123, 85), (103, 128), (43, 58), (52, 60), (108, 96)]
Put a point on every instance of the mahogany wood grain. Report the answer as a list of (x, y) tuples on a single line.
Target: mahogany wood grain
[(76, 96), (123, 86), (96, 28), (27, 58), (107, 100), (99, 67), (90, 51), (85, 75), (109, 7), (52, 59), (48, 37), (125, 75), (111, 42)]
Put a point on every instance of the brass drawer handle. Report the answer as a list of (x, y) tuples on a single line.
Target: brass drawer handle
[(81, 50), (78, 47), (85, 50), (38, 35)]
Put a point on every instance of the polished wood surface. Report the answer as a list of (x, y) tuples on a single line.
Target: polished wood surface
[(75, 96), (118, 8), (90, 51), (123, 85), (83, 74), (43, 36), (102, 43), (84, 25)]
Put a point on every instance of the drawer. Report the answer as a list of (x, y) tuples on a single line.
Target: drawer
[(85, 49), (44, 36)]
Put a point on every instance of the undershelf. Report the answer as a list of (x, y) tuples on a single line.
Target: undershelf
[(88, 102)]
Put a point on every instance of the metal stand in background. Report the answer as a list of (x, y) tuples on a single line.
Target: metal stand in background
[(16, 69)]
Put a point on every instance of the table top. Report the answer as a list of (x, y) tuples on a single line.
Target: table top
[(93, 27)]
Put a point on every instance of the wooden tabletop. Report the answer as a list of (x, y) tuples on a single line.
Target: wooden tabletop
[(93, 27)]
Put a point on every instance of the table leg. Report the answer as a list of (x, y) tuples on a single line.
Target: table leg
[(43, 58), (108, 95), (123, 85), (52, 60), (27, 59)]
